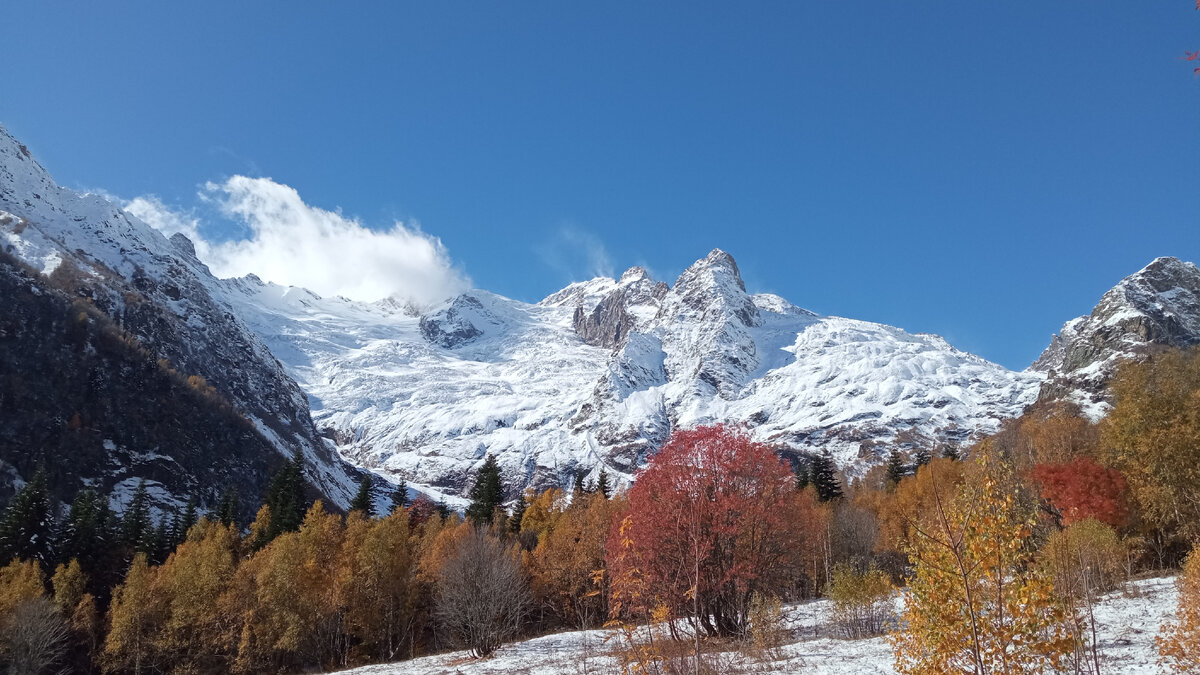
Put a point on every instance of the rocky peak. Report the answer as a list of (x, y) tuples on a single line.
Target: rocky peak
[(1158, 305), (634, 302), (635, 273), (713, 285)]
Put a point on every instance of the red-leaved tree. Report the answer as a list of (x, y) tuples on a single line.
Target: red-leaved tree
[(1083, 489), (713, 520)]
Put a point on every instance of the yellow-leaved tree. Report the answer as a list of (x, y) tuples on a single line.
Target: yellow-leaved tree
[(976, 603), (1152, 436), (1179, 642)]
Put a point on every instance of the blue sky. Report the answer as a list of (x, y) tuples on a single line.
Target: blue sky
[(980, 170)]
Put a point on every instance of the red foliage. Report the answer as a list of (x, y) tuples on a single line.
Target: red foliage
[(712, 519), (1083, 489)]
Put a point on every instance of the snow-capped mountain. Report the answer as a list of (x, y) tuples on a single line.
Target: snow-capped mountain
[(1157, 306), (593, 377), (596, 376), (166, 299)]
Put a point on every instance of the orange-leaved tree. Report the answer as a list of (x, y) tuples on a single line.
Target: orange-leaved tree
[(1179, 642), (710, 525), (976, 603)]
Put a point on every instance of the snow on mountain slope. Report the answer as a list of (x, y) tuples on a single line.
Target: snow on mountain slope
[(596, 376), (1158, 305), (156, 289)]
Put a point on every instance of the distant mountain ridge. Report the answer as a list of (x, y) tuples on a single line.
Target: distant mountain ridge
[(594, 377)]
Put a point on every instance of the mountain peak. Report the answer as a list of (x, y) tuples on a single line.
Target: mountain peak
[(1157, 305), (635, 273)]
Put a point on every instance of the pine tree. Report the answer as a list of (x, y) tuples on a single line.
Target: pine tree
[(362, 500), (285, 497), (518, 514), (84, 534), (825, 478), (487, 493), (27, 529), (400, 496), (163, 540), (227, 509), (602, 485), (922, 456), (189, 519), (802, 477), (578, 489), (136, 519), (442, 509), (896, 470), (951, 453)]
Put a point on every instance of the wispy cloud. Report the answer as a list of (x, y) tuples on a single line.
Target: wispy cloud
[(293, 243), (576, 253)]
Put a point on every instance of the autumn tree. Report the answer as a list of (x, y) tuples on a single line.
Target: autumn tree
[(1179, 641), (199, 632), (482, 594), (711, 525), (379, 568), (1083, 489), (567, 566), (135, 618), (1152, 436), (294, 599), (1083, 560), (976, 603)]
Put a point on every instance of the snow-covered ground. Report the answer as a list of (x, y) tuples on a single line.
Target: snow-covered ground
[(1126, 622)]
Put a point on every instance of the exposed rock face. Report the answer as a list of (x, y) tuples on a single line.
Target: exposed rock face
[(451, 326), (634, 302), (1157, 306), (166, 299)]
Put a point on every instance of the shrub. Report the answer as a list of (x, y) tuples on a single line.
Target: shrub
[(861, 601)]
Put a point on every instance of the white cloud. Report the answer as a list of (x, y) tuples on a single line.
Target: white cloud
[(574, 251), (292, 243)]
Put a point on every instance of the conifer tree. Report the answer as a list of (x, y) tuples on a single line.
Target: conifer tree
[(922, 456), (189, 519), (951, 453), (362, 499), (825, 478), (136, 519), (85, 536), (400, 496), (802, 477), (602, 485), (518, 514), (486, 494), (27, 529), (578, 488), (442, 509), (896, 471), (227, 509), (285, 497)]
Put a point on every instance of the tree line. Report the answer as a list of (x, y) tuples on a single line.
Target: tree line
[(1002, 549)]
